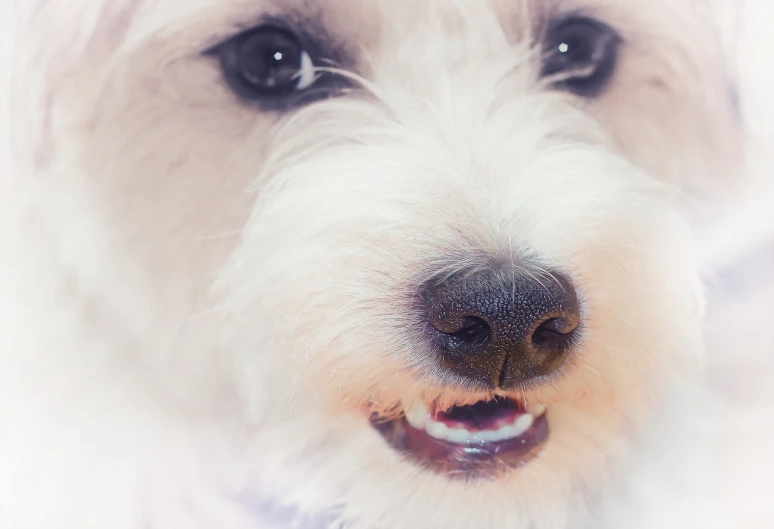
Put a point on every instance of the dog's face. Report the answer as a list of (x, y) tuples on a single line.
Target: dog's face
[(333, 213)]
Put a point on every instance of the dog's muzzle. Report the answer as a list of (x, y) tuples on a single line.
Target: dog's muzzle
[(494, 330)]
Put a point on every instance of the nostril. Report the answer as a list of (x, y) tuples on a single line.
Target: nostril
[(471, 338), (555, 333), (475, 331)]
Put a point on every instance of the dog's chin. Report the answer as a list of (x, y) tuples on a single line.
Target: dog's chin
[(481, 440)]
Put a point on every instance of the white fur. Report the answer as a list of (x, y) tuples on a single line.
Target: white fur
[(207, 297)]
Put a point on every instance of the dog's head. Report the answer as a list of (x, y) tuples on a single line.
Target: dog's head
[(418, 244)]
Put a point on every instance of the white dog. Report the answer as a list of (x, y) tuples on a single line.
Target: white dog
[(377, 264)]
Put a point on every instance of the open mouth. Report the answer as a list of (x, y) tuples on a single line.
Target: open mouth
[(480, 439)]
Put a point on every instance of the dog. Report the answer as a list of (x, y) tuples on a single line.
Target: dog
[(365, 264)]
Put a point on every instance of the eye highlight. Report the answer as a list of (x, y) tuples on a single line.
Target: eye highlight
[(580, 55), (267, 63)]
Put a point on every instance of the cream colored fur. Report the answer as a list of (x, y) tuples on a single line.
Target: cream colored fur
[(206, 299)]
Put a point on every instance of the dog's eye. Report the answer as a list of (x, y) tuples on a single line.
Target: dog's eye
[(580, 55), (267, 62)]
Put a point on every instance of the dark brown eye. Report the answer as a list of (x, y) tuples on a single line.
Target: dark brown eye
[(267, 62), (580, 56)]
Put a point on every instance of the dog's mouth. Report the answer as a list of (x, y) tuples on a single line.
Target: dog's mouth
[(477, 440)]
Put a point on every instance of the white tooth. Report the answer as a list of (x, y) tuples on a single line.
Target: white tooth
[(476, 438), (488, 435), (436, 429), (495, 436), (458, 435), (508, 432), (536, 410), (418, 415), (523, 424)]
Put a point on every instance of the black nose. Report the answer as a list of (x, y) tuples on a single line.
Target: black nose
[(502, 327)]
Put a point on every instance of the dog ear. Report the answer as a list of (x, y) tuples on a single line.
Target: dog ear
[(749, 46), (53, 39), (726, 113), (748, 226), (708, 128)]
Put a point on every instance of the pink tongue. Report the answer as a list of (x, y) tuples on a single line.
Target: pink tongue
[(490, 415)]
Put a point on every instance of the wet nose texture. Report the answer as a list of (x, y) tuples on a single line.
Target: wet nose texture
[(501, 327)]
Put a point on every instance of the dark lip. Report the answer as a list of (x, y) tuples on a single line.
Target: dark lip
[(484, 460)]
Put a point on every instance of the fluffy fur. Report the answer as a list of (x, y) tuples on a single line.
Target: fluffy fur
[(208, 298)]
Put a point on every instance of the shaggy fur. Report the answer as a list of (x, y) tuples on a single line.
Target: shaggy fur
[(209, 297)]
